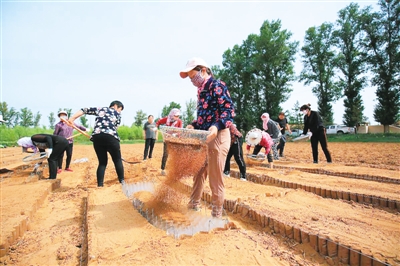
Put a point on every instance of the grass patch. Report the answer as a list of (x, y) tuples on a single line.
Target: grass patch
[(380, 137)]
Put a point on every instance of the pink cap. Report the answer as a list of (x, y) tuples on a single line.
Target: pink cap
[(192, 63)]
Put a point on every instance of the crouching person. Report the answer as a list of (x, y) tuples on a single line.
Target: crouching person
[(54, 147), (260, 139)]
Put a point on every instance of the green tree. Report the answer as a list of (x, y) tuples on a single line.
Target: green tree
[(8, 114), (52, 120), (238, 74), (140, 118), (274, 66), (259, 73), (351, 62), (319, 63), (36, 119), (84, 121), (189, 115), (295, 117), (26, 117), (166, 109), (68, 110), (383, 44)]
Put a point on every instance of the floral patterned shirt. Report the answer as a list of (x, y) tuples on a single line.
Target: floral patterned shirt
[(107, 120), (214, 106)]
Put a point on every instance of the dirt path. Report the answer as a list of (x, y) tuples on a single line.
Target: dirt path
[(73, 222)]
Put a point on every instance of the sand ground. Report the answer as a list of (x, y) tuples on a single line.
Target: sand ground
[(70, 221)]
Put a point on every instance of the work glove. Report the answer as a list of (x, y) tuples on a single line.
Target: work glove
[(48, 152), (309, 135)]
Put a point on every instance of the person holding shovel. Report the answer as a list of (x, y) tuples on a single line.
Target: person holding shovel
[(215, 113), (62, 129), (105, 137)]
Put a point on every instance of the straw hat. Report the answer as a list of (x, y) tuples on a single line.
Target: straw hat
[(253, 137)]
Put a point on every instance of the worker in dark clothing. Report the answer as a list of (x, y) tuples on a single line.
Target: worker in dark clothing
[(313, 122), (54, 147), (236, 150), (283, 125)]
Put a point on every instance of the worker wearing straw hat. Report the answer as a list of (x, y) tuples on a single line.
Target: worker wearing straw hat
[(215, 112), (260, 139)]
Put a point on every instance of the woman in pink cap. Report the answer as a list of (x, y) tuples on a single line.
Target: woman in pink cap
[(215, 112)]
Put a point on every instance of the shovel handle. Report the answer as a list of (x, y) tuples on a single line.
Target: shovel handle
[(75, 127)]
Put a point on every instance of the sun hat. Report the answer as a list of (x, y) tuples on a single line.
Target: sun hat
[(253, 137), (25, 143), (62, 112), (192, 63)]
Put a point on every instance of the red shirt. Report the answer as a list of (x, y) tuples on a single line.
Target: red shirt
[(163, 121)]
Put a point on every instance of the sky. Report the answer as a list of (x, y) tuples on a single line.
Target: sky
[(75, 54)]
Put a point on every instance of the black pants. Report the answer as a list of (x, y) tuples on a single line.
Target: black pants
[(258, 148), (68, 151), (103, 144), (148, 148), (281, 145), (59, 147), (236, 150), (320, 136), (164, 157)]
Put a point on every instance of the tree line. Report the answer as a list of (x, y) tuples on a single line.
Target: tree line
[(339, 59)]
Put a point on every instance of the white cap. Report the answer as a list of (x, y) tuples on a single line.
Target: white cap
[(62, 112), (253, 137), (192, 63)]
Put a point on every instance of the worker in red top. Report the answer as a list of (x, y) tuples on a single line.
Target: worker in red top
[(172, 120), (260, 139)]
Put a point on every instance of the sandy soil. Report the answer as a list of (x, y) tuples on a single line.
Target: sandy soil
[(70, 221)]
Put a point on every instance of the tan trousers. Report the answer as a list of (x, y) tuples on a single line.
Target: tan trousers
[(217, 151)]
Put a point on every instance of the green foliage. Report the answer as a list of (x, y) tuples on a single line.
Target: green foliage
[(189, 115), (10, 115), (84, 121), (10, 136), (259, 73), (130, 133), (295, 117), (382, 42), (167, 109), (36, 119), (52, 120), (381, 137), (319, 61), (140, 118), (351, 61)]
